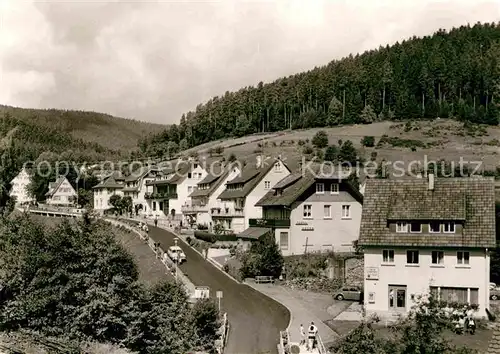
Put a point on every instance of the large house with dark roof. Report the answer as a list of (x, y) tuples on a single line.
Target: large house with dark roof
[(426, 235), (311, 213), (103, 191), (204, 197), (170, 190), (236, 204)]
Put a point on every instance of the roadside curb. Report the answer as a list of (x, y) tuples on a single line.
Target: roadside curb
[(211, 261), (186, 282)]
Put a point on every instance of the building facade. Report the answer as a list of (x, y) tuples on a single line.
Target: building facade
[(61, 192), (236, 204), (424, 236), (104, 191), (19, 188), (309, 213)]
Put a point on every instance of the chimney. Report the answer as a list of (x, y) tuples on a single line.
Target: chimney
[(259, 161), (431, 181)]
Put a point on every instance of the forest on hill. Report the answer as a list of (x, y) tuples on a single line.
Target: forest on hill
[(86, 136), (450, 74)]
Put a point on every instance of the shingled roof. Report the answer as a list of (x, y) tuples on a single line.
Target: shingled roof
[(249, 177), (290, 190), (110, 183), (468, 200), (216, 175)]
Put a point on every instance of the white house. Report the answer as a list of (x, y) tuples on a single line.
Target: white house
[(427, 235), (104, 190), (236, 204), (204, 197), (136, 187), (61, 192), (308, 213), (19, 188), (167, 193)]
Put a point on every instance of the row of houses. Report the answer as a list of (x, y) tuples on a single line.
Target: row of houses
[(416, 233)]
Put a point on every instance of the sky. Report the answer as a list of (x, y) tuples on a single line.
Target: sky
[(153, 61)]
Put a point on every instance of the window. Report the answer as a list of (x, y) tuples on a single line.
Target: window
[(327, 211), (388, 256), (412, 257), (437, 257), (463, 258), (320, 188), (401, 227), (307, 210), (415, 227), (449, 227), (190, 189), (346, 211), (284, 240), (434, 227), (334, 188), (267, 184), (277, 167)]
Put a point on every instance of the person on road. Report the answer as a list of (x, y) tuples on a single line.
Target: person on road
[(156, 221), (302, 335), (313, 330)]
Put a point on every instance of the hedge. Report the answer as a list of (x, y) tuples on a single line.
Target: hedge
[(212, 238)]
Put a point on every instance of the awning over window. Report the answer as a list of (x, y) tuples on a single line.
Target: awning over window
[(254, 233)]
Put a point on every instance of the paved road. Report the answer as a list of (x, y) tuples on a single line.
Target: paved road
[(255, 319)]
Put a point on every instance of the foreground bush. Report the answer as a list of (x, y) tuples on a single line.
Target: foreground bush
[(421, 332), (79, 282)]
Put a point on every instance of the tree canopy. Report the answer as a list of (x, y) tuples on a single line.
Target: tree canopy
[(77, 281), (448, 74)]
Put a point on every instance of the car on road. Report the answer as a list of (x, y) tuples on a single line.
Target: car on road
[(495, 294), (176, 254), (351, 293)]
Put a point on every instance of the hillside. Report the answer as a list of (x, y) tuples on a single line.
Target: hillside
[(449, 75), (411, 142), (89, 135)]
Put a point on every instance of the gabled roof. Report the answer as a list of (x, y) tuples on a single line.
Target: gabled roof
[(140, 173), (468, 200), (110, 183), (249, 177), (54, 186), (215, 177), (295, 185)]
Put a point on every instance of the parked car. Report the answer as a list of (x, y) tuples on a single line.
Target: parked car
[(495, 294), (176, 254), (349, 293)]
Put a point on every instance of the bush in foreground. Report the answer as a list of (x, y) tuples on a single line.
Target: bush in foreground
[(80, 283)]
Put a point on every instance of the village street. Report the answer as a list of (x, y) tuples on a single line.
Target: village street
[(255, 320)]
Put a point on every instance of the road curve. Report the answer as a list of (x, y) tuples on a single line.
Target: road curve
[(255, 319)]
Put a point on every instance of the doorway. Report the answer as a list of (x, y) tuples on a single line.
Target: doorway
[(397, 298)]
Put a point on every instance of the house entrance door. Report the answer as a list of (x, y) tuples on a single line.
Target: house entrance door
[(397, 297)]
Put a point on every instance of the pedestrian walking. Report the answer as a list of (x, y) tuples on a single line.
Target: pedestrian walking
[(313, 330), (156, 221), (302, 335)]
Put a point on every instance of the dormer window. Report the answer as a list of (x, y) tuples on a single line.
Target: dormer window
[(415, 227), (401, 227), (434, 227), (320, 188), (449, 227), (334, 188)]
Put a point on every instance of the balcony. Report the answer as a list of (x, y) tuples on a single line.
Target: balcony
[(160, 195), (193, 209), (274, 223), (223, 212)]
